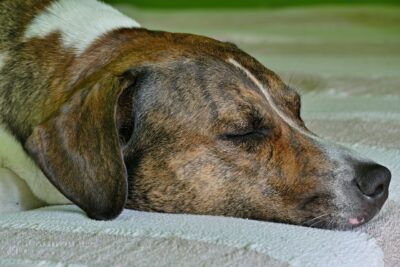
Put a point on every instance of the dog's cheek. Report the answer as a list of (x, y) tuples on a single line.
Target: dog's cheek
[(201, 173), (173, 181), (201, 181)]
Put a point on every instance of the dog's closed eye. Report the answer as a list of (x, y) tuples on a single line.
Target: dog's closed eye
[(253, 133), (247, 134), (248, 139), (255, 129)]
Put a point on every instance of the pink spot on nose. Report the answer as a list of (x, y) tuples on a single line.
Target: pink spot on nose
[(356, 221)]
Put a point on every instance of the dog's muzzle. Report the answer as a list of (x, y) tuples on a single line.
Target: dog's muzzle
[(371, 184)]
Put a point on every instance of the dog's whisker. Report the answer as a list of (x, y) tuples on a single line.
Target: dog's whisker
[(317, 218)]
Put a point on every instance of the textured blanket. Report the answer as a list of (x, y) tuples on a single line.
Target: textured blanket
[(58, 236), (351, 95)]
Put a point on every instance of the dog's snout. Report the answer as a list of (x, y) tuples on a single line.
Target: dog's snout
[(371, 186), (373, 180)]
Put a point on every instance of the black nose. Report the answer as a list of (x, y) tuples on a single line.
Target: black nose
[(373, 180)]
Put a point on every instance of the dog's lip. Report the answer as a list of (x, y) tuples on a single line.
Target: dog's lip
[(343, 222), (356, 221)]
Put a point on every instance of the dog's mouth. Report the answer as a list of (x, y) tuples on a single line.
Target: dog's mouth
[(332, 222), (360, 201), (349, 217)]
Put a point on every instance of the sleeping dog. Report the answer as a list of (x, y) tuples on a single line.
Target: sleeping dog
[(96, 111)]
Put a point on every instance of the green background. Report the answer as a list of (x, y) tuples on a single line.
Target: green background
[(354, 49), (241, 4)]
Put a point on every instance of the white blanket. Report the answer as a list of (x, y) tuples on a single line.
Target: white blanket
[(63, 235)]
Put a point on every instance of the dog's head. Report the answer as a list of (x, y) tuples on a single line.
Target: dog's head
[(193, 125)]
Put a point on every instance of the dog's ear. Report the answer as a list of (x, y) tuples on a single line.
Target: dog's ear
[(79, 149)]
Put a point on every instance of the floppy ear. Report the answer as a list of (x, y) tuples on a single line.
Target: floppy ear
[(80, 153)]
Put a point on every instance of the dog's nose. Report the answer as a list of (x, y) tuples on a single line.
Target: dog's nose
[(373, 181)]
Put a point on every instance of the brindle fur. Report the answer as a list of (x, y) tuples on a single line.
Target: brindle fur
[(179, 99)]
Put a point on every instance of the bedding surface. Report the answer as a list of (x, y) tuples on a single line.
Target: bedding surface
[(63, 235)]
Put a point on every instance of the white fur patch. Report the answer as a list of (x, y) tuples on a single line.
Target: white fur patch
[(15, 194), (14, 158), (80, 22)]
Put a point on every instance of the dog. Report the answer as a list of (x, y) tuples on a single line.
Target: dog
[(99, 112)]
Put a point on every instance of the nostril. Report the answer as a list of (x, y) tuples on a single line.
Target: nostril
[(378, 190), (372, 179)]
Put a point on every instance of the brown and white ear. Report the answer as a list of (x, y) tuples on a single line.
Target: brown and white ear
[(80, 153)]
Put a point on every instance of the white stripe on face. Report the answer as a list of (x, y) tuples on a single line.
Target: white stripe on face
[(333, 151), (270, 100), (79, 22)]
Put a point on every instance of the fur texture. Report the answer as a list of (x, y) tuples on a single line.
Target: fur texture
[(3, 59), (118, 116)]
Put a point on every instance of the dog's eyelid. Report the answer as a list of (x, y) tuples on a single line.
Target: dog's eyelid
[(244, 126), (252, 122), (247, 133)]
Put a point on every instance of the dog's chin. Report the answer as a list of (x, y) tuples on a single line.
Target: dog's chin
[(337, 223), (346, 216), (343, 221)]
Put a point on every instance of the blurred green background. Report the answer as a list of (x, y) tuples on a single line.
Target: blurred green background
[(342, 56), (241, 3), (349, 47)]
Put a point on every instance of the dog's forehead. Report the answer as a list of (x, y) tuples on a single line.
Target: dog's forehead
[(219, 82), (208, 86)]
